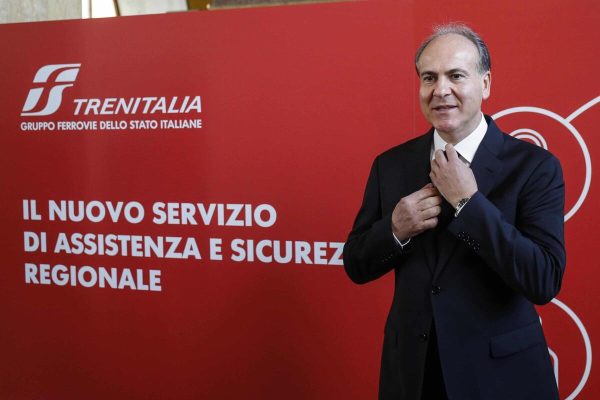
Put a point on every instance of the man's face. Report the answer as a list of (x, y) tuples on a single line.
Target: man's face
[(451, 87)]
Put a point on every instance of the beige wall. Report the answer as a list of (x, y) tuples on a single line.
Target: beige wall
[(38, 10), (44, 10)]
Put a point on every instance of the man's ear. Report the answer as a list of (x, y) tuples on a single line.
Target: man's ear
[(486, 84)]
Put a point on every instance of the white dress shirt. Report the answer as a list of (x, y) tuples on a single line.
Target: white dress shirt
[(466, 147)]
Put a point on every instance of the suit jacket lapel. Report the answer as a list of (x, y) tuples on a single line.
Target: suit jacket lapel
[(486, 163), (419, 168), (485, 166)]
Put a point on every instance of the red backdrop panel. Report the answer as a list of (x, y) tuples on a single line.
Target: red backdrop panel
[(295, 103)]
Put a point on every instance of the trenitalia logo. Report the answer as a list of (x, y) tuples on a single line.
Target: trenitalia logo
[(54, 79), (72, 112)]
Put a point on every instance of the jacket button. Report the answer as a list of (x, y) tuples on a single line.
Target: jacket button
[(435, 289), (423, 337)]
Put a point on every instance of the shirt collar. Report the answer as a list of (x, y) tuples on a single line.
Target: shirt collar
[(466, 147)]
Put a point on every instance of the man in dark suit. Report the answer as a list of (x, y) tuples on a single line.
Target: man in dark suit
[(471, 221)]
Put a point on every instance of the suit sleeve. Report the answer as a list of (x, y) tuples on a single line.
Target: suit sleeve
[(371, 250), (530, 256)]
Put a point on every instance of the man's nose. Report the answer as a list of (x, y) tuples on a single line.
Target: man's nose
[(442, 87)]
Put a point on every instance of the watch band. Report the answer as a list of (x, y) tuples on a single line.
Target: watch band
[(460, 205)]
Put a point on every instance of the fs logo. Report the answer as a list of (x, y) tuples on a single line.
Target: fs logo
[(547, 129), (570, 346), (53, 78)]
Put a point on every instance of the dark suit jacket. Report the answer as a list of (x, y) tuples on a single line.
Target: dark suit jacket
[(477, 277)]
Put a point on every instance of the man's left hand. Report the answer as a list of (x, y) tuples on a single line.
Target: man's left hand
[(451, 176)]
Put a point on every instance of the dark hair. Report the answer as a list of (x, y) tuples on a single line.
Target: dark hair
[(483, 65)]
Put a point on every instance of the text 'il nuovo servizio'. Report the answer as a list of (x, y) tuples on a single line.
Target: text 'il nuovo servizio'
[(133, 212)]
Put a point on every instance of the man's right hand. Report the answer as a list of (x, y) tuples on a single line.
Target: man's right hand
[(416, 212)]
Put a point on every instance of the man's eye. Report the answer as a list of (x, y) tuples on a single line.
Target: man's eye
[(428, 78), (456, 76)]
